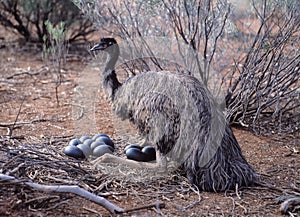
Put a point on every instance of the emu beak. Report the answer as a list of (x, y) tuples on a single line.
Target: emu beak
[(100, 46)]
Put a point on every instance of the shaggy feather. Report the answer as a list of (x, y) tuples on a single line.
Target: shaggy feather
[(179, 115)]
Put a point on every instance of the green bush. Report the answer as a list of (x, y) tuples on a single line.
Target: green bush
[(54, 50), (28, 18)]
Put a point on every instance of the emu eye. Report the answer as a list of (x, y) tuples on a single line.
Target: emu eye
[(110, 43)]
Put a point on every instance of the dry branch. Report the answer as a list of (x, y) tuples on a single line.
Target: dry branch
[(16, 124), (65, 189), (155, 205), (264, 85), (287, 204), (261, 80)]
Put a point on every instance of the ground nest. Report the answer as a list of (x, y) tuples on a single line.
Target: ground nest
[(47, 165), (43, 164)]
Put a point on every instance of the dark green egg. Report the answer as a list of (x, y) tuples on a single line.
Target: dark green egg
[(74, 142), (107, 141), (150, 151), (132, 146), (101, 150), (83, 138), (96, 143), (100, 135), (88, 142), (135, 154), (74, 151), (86, 149)]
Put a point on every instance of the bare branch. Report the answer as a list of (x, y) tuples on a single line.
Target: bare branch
[(65, 189)]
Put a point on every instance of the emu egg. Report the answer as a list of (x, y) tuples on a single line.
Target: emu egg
[(100, 135), (96, 143), (137, 155), (83, 138), (86, 149), (132, 146), (101, 150), (74, 142), (107, 141), (150, 151), (74, 151), (88, 142)]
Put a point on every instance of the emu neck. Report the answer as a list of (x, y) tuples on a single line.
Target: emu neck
[(111, 60), (110, 82)]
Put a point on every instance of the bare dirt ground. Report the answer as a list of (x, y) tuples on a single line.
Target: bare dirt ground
[(40, 129)]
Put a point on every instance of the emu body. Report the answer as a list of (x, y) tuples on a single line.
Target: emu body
[(178, 114)]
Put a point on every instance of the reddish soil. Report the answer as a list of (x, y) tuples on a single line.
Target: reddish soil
[(27, 96)]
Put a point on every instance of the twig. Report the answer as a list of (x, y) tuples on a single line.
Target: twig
[(295, 188), (262, 184), (16, 168), (244, 208), (15, 124), (92, 211), (196, 202), (107, 194), (10, 129), (237, 191), (233, 205), (154, 205), (26, 72), (13, 159), (56, 205), (284, 207), (41, 198), (66, 189)]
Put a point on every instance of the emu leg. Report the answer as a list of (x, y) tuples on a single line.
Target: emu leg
[(159, 165), (109, 158)]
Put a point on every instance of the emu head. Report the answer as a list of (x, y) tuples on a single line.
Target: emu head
[(109, 45)]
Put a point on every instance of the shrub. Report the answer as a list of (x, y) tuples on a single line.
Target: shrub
[(55, 50), (28, 17), (259, 69)]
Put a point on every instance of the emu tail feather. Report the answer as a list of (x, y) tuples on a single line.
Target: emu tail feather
[(224, 171), (216, 162)]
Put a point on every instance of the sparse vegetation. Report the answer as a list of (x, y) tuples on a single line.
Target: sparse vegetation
[(28, 17), (258, 67), (55, 50), (264, 88)]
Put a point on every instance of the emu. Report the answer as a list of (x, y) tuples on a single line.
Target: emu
[(177, 114)]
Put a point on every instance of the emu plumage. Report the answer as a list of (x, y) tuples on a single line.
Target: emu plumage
[(178, 114)]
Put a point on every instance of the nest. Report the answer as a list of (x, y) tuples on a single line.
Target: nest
[(48, 166)]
